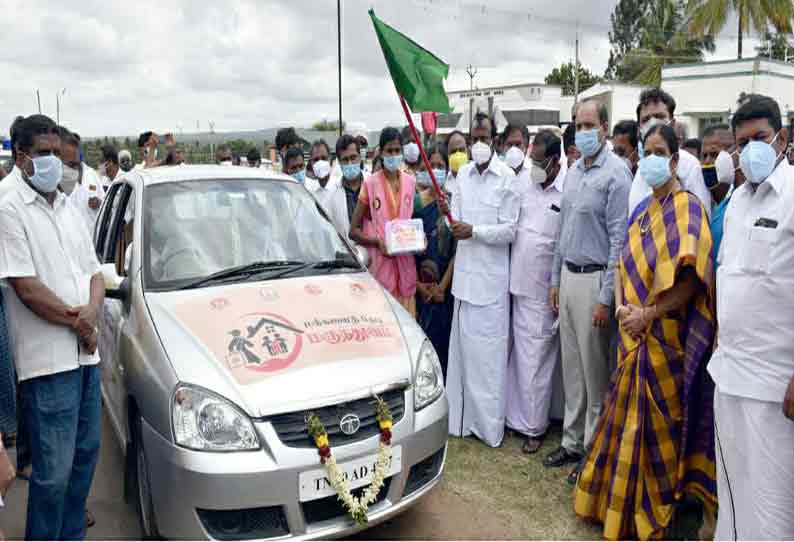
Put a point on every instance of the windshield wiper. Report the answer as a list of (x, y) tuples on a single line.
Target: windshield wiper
[(342, 261), (243, 271)]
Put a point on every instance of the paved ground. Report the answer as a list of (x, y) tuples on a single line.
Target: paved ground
[(486, 495)]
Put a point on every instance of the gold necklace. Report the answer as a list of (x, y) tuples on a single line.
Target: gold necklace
[(645, 229)]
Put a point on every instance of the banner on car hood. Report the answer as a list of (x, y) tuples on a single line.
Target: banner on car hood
[(260, 331)]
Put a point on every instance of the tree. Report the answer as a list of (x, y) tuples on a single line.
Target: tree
[(664, 40), (627, 20), (708, 17), (326, 126), (564, 76), (775, 46)]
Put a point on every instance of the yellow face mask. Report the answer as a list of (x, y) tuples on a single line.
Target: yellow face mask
[(457, 160)]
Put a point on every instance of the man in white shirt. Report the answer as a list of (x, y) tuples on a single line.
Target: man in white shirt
[(331, 197), (536, 343), (55, 295), (86, 193), (658, 107), (753, 366), (112, 168), (485, 207)]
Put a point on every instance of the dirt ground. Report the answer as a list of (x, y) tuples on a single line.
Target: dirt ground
[(486, 495)]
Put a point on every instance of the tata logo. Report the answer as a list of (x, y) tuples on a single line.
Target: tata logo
[(349, 424)]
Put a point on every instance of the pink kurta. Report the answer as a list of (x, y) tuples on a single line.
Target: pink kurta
[(397, 274)]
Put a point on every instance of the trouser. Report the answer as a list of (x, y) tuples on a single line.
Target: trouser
[(477, 370), (63, 416), (755, 469), (585, 357), (533, 359)]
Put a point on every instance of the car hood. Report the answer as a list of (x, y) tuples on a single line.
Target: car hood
[(290, 344)]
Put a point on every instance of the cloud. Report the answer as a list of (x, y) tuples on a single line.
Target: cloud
[(249, 64)]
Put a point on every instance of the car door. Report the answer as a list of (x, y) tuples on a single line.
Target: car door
[(110, 231)]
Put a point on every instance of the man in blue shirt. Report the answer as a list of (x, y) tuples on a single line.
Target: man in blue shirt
[(728, 173)]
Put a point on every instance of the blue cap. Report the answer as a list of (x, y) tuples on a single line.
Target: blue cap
[(6, 144)]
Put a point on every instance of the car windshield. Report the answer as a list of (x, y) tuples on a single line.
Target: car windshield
[(197, 229)]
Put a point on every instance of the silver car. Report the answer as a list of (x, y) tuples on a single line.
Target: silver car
[(234, 312)]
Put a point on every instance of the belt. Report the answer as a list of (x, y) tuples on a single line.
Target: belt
[(590, 268)]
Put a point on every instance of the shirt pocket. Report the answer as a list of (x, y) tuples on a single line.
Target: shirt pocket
[(760, 242), (551, 223), (590, 199), (486, 212)]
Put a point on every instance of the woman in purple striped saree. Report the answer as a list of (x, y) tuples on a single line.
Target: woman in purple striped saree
[(654, 442)]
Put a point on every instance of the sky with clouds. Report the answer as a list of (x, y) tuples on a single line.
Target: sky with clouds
[(148, 64)]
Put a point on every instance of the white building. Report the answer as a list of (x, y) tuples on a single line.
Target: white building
[(621, 100), (707, 93), (535, 106)]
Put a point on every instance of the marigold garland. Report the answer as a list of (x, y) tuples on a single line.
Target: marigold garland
[(356, 507)]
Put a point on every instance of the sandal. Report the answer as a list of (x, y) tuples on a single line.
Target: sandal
[(90, 520), (532, 445)]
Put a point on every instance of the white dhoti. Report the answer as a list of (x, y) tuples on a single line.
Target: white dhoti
[(530, 371), (477, 370), (755, 469)]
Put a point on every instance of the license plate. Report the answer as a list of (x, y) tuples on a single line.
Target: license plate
[(314, 484)]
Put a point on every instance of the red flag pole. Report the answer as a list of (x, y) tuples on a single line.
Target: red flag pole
[(426, 161)]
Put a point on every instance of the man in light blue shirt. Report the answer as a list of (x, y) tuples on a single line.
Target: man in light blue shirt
[(594, 214)]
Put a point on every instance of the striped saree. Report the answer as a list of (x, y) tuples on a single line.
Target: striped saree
[(655, 439)]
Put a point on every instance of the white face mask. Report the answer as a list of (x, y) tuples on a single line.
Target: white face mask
[(514, 157), (226, 163), (322, 169), (645, 128), (538, 174), (411, 153), (481, 153), (70, 174)]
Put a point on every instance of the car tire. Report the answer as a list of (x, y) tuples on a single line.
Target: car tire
[(141, 487)]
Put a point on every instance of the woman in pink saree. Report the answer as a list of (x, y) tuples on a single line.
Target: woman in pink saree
[(387, 195)]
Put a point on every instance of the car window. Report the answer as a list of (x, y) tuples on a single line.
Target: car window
[(103, 222), (119, 234), (195, 228)]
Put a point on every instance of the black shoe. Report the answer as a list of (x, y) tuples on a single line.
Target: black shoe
[(573, 477), (561, 457)]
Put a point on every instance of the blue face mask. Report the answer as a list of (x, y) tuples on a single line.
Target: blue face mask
[(587, 142), (47, 173), (758, 160), (441, 176), (300, 176), (655, 170), (423, 178), (351, 171), (393, 163)]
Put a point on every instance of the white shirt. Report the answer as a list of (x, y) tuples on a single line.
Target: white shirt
[(51, 244), (10, 182), (332, 199), (532, 253), (491, 204), (755, 291), (90, 186), (690, 175)]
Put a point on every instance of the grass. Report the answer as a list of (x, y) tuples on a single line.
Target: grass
[(537, 502)]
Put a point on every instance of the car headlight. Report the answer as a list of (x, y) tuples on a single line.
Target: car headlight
[(429, 380), (205, 421)]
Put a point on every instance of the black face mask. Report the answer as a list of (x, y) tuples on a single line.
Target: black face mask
[(710, 176)]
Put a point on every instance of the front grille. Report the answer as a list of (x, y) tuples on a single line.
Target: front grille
[(246, 524), (292, 431), (423, 472), (331, 507)]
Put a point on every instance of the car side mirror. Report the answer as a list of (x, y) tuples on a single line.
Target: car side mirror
[(363, 255), (114, 284)]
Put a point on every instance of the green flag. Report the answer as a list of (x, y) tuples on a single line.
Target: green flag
[(417, 73)]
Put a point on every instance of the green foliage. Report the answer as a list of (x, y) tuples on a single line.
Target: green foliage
[(775, 46), (663, 39), (627, 24), (327, 126), (564, 76), (709, 17)]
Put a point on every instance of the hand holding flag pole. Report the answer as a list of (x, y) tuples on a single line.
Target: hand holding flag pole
[(418, 78)]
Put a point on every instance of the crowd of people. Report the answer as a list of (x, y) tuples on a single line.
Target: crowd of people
[(645, 278)]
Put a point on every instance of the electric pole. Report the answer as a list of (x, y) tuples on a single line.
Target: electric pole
[(472, 71), (38, 100), (58, 105), (576, 69), (339, 58)]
